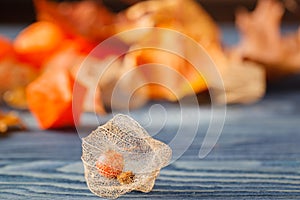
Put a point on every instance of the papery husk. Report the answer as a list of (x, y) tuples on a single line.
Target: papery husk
[(143, 156)]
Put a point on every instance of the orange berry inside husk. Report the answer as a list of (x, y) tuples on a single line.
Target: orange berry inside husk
[(110, 164)]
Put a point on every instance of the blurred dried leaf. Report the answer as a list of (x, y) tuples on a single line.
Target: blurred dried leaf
[(16, 98), (10, 120), (245, 81), (262, 41)]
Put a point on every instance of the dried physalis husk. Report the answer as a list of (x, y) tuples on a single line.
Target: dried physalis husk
[(121, 156), (16, 98), (10, 120)]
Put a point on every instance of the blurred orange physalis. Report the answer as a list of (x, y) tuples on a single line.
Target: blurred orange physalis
[(38, 41), (13, 74), (50, 99), (6, 48), (110, 164), (174, 87), (88, 19)]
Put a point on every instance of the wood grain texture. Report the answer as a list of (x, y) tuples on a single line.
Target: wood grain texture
[(257, 157)]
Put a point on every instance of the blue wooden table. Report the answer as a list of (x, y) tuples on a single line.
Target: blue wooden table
[(256, 157)]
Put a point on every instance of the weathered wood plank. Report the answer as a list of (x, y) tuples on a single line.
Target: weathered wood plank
[(257, 157)]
